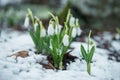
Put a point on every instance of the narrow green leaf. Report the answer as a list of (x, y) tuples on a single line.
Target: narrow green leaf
[(118, 30), (37, 33), (36, 41), (65, 48), (33, 37), (84, 54), (68, 15), (52, 15), (90, 55)]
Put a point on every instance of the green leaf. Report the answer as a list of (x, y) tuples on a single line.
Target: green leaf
[(33, 37), (84, 54), (37, 33), (118, 30), (65, 48), (68, 15), (90, 55)]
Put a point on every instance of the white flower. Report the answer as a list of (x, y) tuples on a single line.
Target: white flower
[(51, 44), (35, 26), (66, 40), (43, 32), (58, 29), (72, 21), (74, 32), (50, 30), (78, 31), (117, 36), (26, 22)]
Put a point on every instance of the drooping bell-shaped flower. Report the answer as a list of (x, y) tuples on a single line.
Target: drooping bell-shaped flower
[(58, 29), (79, 31), (51, 44), (50, 30), (26, 22), (35, 26), (43, 32), (117, 36), (74, 32), (72, 21), (66, 40)]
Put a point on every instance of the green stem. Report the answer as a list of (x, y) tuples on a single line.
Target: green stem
[(89, 68), (60, 65), (89, 41), (31, 15), (55, 65)]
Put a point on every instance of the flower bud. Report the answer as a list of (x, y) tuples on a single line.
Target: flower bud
[(50, 30), (51, 44), (72, 21), (66, 40), (79, 31), (58, 29), (26, 22), (43, 32), (74, 32), (35, 26)]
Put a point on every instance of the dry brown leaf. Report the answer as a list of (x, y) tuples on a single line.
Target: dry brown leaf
[(22, 54)]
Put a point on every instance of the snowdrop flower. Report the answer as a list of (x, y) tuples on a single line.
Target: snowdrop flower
[(78, 30), (50, 30), (26, 22), (35, 26), (66, 40), (74, 32), (43, 32), (51, 44), (117, 36), (58, 29), (72, 21)]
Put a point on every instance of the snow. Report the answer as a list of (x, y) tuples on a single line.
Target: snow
[(29, 68), (116, 45)]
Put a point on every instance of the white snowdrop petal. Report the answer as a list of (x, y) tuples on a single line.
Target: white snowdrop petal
[(58, 29), (66, 40), (72, 21), (74, 32), (43, 32), (117, 36), (78, 31), (50, 29), (51, 45), (35, 26), (26, 22)]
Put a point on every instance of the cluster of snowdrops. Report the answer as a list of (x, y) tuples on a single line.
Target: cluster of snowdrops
[(56, 39)]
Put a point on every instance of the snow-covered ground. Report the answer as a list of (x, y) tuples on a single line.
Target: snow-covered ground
[(28, 68)]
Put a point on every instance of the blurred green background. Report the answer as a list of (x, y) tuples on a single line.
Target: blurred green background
[(92, 14)]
